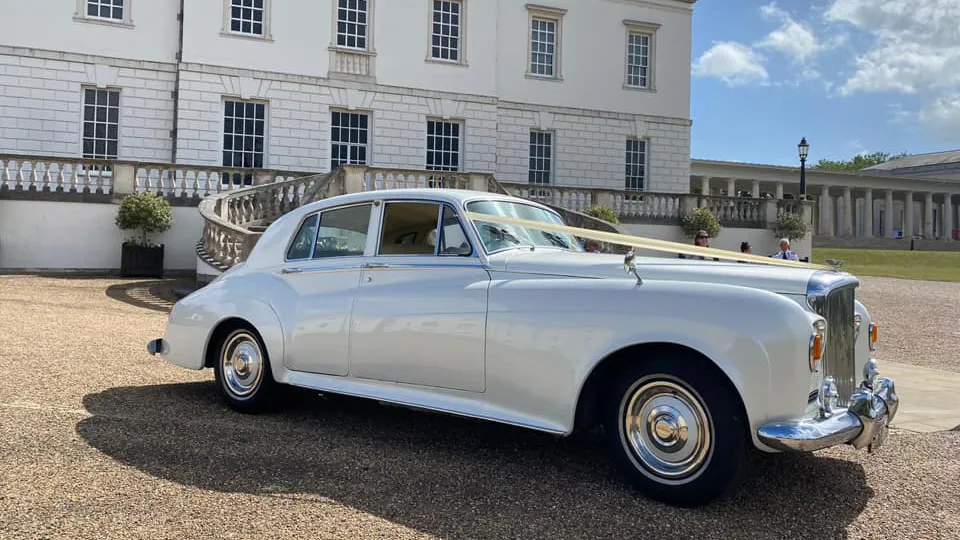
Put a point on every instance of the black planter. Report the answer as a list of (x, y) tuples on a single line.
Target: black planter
[(141, 261)]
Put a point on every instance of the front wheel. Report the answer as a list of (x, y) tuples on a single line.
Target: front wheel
[(676, 431), (242, 372)]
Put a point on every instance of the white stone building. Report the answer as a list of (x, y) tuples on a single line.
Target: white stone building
[(592, 93)]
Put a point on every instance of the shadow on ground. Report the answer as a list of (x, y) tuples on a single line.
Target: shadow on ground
[(156, 295), (450, 477)]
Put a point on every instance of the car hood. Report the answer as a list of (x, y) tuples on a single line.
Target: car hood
[(778, 279)]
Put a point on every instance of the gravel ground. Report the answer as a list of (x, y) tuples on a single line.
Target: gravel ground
[(918, 320), (100, 440)]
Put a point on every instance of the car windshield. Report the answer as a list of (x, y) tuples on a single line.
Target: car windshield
[(498, 237)]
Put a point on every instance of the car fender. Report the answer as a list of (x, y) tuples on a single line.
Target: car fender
[(197, 316), (563, 328)]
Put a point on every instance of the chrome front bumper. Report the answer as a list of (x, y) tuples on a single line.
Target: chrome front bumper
[(864, 423)]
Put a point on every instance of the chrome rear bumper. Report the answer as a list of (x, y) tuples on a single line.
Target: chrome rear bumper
[(864, 423)]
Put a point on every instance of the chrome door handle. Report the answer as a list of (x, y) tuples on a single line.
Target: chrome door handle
[(291, 270), (376, 265)]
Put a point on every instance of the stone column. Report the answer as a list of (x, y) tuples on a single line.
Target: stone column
[(779, 194), (928, 215), (826, 212), (847, 213), (705, 185), (908, 229), (868, 213), (947, 217), (731, 187), (755, 189), (888, 221)]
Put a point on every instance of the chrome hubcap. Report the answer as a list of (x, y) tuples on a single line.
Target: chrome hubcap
[(667, 430), (242, 365)]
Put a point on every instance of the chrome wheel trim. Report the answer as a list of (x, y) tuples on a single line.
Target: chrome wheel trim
[(666, 430), (241, 362)]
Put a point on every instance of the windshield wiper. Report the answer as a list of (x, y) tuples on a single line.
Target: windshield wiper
[(503, 233), (556, 239)]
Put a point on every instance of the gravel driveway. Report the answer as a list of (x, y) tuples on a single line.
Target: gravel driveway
[(919, 320), (100, 440)]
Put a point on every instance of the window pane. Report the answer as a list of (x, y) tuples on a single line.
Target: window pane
[(453, 241), (343, 232), (303, 241), (409, 229)]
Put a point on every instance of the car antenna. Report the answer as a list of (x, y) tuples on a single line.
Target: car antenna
[(630, 264)]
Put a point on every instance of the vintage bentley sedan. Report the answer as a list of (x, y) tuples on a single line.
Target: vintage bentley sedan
[(412, 297)]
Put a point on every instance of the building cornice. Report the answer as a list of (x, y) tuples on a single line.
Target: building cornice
[(331, 83), (84, 58), (679, 6), (815, 177)]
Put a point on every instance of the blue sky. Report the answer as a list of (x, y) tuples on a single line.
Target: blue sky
[(851, 76)]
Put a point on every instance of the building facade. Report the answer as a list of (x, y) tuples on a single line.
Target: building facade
[(592, 93)]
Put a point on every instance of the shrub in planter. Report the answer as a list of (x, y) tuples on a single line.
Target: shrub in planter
[(602, 212), (791, 227), (146, 213), (701, 219)]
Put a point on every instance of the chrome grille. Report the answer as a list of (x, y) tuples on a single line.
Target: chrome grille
[(839, 357)]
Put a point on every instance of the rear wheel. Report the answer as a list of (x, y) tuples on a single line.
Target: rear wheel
[(242, 372), (676, 431)]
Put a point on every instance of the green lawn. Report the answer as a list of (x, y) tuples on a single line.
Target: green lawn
[(926, 265)]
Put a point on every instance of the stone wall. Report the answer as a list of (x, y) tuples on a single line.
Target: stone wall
[(41, 103)]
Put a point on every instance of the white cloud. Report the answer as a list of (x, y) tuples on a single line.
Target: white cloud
[(733, 63), (915, 50), (942, 116), (738, 63), (791, 38)]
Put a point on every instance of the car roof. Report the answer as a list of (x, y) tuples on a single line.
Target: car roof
[(272, 245), (444, 194)]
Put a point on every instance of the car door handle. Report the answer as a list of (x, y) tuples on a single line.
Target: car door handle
[(376, 265), (291, 270)]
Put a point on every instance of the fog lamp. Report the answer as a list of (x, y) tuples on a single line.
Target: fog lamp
[(828, 396)]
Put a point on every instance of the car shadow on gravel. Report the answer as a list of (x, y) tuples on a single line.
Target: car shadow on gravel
[(155, 295), (446, 476)]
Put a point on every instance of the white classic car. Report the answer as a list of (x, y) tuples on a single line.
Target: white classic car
[(410, 297)]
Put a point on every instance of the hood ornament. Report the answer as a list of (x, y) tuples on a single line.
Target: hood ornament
[(834, 263), (630, 265)]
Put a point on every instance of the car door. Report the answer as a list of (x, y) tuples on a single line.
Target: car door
[(323, 270), (421, 308)]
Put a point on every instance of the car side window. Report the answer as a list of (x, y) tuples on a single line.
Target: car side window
[(303, 241), (453, 240), (342, 232), (409, 228)]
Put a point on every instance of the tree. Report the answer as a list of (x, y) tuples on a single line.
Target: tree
[(860, 161), (701, 219), (145, 212)]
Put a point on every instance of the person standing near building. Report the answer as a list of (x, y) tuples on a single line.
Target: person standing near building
[(785, 252)]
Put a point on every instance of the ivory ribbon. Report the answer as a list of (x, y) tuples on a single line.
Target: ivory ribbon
[(644, 243)]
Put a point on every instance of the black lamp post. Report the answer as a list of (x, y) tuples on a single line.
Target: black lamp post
[(804, 149)]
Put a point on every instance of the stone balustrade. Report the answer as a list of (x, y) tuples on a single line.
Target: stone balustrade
[(50, 174), (375, 179), (42, 174), (632, 206)]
